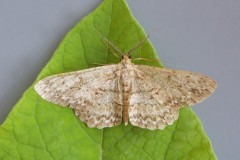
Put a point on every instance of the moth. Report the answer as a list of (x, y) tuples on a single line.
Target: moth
[(146, 96)]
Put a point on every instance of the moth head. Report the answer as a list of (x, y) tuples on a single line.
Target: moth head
[(125, 57)]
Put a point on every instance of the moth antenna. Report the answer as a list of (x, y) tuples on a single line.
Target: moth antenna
[(146, 59), (116, 55), (140, 43), (108, 42)]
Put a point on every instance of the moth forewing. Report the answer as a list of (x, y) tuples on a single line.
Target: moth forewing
[(148, 97)]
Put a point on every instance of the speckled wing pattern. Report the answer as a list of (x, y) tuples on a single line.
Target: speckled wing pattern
[(148, 97), (159, 93), (92, 93)]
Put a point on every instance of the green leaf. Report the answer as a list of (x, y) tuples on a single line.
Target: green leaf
[(37, 129)]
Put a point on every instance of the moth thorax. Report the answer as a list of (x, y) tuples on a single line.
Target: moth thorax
[(126, 80)]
